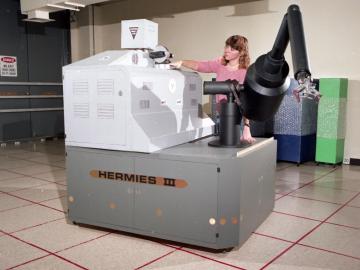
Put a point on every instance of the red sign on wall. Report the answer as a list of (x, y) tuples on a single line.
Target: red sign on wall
[(8, 66)]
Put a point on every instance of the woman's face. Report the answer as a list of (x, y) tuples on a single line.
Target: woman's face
[(230, 53)]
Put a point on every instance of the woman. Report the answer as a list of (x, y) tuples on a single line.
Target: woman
[(231, 66)]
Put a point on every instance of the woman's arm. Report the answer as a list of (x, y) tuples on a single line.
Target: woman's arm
[(194, 65), (191, 64), (211, 66)]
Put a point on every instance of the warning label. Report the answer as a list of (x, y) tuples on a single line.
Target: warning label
[(133, 31), (8, 66)]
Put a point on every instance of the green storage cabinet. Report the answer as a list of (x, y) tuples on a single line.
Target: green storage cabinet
[(330, 135)]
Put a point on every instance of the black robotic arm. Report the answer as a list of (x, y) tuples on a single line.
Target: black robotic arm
[(266, 80)]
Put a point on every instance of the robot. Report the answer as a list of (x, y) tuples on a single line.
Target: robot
[(140, 155)]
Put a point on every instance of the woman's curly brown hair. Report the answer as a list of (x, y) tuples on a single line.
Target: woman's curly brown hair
[(240, 44)]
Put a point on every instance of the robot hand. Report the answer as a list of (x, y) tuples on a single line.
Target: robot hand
[(306, 89)]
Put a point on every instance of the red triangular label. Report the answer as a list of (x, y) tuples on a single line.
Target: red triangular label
[(133, 31)]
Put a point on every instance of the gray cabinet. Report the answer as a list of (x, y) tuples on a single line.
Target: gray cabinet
[(190, 193)]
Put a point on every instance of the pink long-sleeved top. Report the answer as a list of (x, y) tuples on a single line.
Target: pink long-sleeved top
[(222, 73)]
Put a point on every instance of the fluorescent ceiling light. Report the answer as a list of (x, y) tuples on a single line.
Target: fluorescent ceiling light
[(74, 4), (38, 16), (62, 7)]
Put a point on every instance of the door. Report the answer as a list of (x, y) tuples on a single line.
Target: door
[(95, 191), (182, 203)]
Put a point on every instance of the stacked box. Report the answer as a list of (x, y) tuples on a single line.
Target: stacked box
[(295, 128), (331, 120)]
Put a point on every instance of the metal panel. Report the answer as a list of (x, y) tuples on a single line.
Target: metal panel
[(94, 107), (14, 126), (50, 123), (48, 46), (183, 212), (103, 201), (245, 193), (257, 188)]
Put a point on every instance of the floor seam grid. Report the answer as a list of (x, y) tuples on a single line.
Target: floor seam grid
[(319, 185), (181, 247), (311, 199), (291, 165), (36, 186), (47, 251), (33, 202), (84, 242), (87, 241), (211, 259), (309, 246), (318, 178), (27, 175), (11, 178), (37, 225), (27, 262), (158, 259), (38, 162), (308, 233), (319, 220), (1, 211)]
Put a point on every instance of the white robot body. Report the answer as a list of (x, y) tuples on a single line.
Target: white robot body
[(119, 100)]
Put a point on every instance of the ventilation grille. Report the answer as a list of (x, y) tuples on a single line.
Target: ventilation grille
[(193, 102), (80, 88), (144, 104), (81, 110), (105, 111), (105, 87)]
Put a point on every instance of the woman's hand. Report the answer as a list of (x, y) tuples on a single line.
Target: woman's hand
[(176, 64), (191, 64), (246, 135)]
